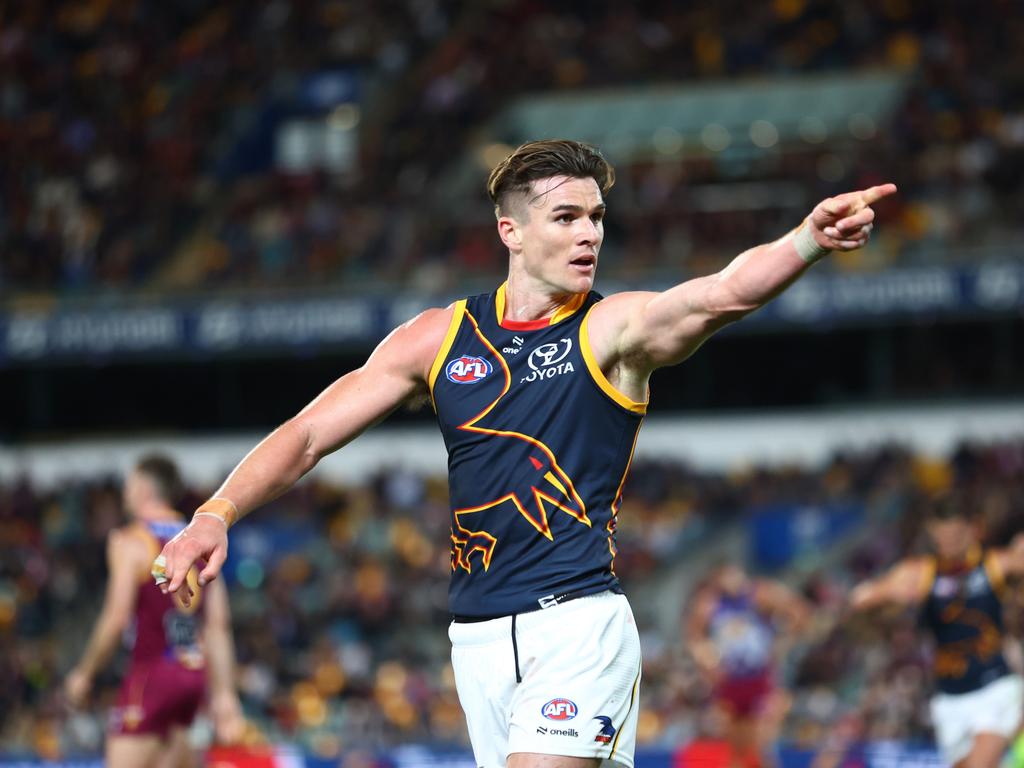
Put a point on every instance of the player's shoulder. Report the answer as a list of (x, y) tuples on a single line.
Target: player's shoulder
[(129, 538), (131, 546), (922, 567), (609, 314), (427, 325), (769, 590), (413, 345), (621, 300)]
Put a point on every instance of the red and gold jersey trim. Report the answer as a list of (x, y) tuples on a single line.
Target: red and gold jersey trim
[(598, 375), (565, 311), (446, 345), (617, 502)]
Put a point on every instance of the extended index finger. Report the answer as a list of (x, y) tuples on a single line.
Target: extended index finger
[(872, 194), (179, 574)]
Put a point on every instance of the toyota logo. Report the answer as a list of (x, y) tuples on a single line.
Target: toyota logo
[(549, 354)]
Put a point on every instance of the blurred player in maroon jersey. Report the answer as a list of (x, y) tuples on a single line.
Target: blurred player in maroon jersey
[(178, 652), (736, 627)]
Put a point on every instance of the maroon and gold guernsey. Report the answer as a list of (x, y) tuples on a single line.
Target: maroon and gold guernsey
[(166, 680)]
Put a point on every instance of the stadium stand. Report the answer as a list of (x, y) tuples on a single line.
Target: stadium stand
[(339, 598), (143, 137), (210, 209)]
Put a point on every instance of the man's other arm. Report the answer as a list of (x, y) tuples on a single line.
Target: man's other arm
[(127, 562), (228, 722), (396, 371), (905, 584)]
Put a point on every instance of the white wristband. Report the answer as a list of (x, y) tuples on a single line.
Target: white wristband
[(221, 508), (210, 514), (807, 248)]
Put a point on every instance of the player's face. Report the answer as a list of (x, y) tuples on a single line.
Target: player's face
[(952, 537), (562, 232), (133, 492), (732, 580)]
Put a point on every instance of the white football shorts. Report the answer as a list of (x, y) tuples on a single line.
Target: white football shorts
[(957, 718), (566, 681)]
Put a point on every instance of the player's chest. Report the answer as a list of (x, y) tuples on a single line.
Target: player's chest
[(520, 370)]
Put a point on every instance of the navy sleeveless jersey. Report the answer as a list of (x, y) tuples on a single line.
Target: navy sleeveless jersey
[(539, 444), (964, 613)]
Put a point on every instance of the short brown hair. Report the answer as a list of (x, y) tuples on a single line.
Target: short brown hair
[(544, 159), (949, 505), (164, 474)]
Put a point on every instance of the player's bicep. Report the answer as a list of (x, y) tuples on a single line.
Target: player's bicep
[(667, 327), (349, 406), (393, 374), (1011, 559), (906, 584), (125, 558), (784, 602)]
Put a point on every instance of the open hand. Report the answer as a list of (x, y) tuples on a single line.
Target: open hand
[(228, 721), (76, 688)]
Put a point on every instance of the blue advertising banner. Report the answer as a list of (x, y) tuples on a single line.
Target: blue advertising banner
[(781, 533), (322, 323), (989, 288)]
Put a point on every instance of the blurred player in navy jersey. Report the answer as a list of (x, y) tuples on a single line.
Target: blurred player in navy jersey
[(180, 654), (539, 388), (735, 627), (959, 590)]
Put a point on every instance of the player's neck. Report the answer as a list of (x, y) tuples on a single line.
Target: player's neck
[(969, 555), (527, 299)]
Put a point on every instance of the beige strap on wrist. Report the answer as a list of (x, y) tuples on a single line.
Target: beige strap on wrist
[(806, 246), (219, 507)]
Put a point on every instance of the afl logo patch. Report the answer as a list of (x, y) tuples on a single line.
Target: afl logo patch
[(467, 370), (559, 709)]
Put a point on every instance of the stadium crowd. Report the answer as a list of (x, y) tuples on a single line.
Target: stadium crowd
[(126, 124), (338, 599)]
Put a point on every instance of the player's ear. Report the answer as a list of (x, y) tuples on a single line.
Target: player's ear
[(510, 232)]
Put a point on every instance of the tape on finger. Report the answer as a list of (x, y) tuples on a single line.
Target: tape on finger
[(159, 570)]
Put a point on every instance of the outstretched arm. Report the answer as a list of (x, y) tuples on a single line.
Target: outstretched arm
[(1011, 558), (396, 371), (651, 330), (127, 562), (906, 584), (225, 708), (784, 604)]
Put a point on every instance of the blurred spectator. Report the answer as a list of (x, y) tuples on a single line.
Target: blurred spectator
[(339, 601), (122, 122)]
